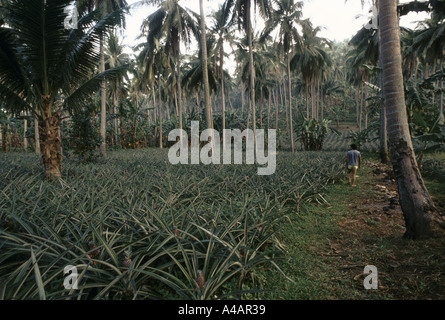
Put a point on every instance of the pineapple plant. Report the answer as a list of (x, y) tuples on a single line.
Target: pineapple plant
[(200, 280), (126, 263)]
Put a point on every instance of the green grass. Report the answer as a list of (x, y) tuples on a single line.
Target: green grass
[(317, 274)]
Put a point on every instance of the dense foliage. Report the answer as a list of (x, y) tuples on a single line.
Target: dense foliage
[(171, 221)]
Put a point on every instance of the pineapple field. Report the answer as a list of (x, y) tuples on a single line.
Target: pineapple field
[(133, 142), (137, 227)]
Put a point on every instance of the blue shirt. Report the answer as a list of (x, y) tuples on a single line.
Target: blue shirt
[(354, 156)]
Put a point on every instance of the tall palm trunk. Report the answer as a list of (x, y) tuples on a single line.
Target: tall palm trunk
[(321, 101), (313, 97), (115, 107), (269, 104), (153, 95), (289, 82), (25, 128), (252, 71), (204, 60), (306, 101), (243, 97), (223, 95), (103, 103), (283, 87), (441, 92), (357, 105), (160, 118), (36, 135), (366, 107), (360, 114), (178, 96), (417, 205), (384, 153)]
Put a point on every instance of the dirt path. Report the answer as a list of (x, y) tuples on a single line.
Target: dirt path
[(371, 234)]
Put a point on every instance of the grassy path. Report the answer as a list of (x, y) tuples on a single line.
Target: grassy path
[(328, 247)]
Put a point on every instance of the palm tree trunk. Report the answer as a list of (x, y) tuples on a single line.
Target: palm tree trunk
[(261, 107), (317, 99), (275, 92), (384, 153), (357, 105), (313, 97), (204, 60), (366, 107), (178, 96), (36, 134), (51, 145), (441, 92), (417, 205), (306, 102), (252, 71), (361, 108), (249, 111), (25, 128), (285, 106), (116, 104), (153, 93), (103, 105), (176, 109), (160, 118), (289, 82), (243, 98), (9, 136), (223, 95), (269, 103)]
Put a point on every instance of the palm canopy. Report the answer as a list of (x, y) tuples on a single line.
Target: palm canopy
[(193, 77), (430, 40), (44, 65), (45, 68), (173, 23), (285, 18), (114, 52), (312, 56), (240, 10), (106, 6)]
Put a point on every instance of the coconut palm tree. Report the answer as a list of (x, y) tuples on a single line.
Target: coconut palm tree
[(430, 42), (264, 63), (175, 24), (263, 59), (205, 67), (417, 205), (286, 18), (45, 68), (222, 30), (155, 63), (193, 78), (312, 59), (242, 10), (105, 7), (114, 56)]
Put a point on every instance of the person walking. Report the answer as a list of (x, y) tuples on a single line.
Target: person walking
[(353, 163)]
